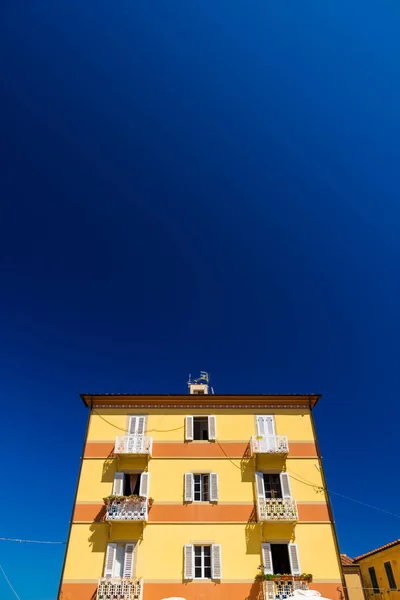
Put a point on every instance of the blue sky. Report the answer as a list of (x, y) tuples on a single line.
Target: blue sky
[(197, 185)]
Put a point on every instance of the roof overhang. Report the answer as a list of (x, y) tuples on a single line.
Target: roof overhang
[(212, 400)]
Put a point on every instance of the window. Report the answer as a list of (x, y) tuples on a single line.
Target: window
[(390, 576), (137, 425), (201, 488), (272, 485), (198, 392), (281, 558), (273, 489), (119, 560), (202, 562), (127, 484), (200, 428), (374, 580)]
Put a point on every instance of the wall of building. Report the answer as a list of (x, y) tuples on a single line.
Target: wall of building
[(172, 523), (354, 584), (377, 561)]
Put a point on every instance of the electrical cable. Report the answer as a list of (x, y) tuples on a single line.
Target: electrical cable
[(313, 485), (4, 539), (147, 430), (9, 583)]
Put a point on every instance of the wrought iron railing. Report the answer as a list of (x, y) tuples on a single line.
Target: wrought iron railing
[(126, 509), (119, 588), (133, 444), (282, 588), (269, 444), (277, 509)]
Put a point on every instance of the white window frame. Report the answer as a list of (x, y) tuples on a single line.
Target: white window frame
[(128, 425), (201, 475), (119, 566), (202, 546)]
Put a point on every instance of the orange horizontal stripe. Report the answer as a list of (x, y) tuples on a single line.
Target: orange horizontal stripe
[(193, 512), (195, 591), (194, 450)]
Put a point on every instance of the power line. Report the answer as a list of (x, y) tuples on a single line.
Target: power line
[(3, 539), (9, 583)]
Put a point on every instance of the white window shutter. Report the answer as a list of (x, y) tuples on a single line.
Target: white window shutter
[(285, 485), (132, 425), (212, 428), (216, 564), (110, 558), (119, 561), (189, 428), (118, 487), (260, 489), (269, 425), (260, 425), (189, 487), (140, 427), (214, 487), (144, 484), (189, 561), (128, 561), (267, 559), (294, 559)]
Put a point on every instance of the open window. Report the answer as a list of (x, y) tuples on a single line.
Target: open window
[(281, 558), (119, 560), (201, 487), (202, 561), (272, 485), (129, 484), (200, 428)]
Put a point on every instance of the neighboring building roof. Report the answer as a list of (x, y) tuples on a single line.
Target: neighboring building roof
[(206, 398), (394, 543), (346, 560)]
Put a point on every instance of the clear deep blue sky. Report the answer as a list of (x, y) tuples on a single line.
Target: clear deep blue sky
[(197, 185)]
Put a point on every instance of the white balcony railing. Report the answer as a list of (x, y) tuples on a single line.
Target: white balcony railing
[(281, 589), (120, 588), (133, 444), (269, 444), (277, 509), (126, 509)]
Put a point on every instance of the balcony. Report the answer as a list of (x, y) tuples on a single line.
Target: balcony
[(133, 444), (277, 509), (119, 588), (281, 588), (269, 444), (125, 508)]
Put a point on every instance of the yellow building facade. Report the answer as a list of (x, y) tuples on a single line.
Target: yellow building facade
[(380, 572), (193, 497)]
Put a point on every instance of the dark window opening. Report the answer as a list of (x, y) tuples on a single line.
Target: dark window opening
[(280, 558), (272, 485), (198, 392), (131, 484), (374, 580), (390, 575), (201, 488), (200, 428), (202, 562)]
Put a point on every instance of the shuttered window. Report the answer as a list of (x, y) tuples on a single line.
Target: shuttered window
[(267, 558), (200, 428), (265, 425), (144, 484), (188, 557), (213, 487), (280, 558), (390, 575), (285, 485), (374, 580), (119, 560), (137, 425)]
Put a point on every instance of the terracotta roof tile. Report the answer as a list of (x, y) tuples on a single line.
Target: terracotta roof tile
[(346, 560), (394, 543)]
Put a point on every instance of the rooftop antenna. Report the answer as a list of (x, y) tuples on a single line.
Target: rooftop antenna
[(203, 382)]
